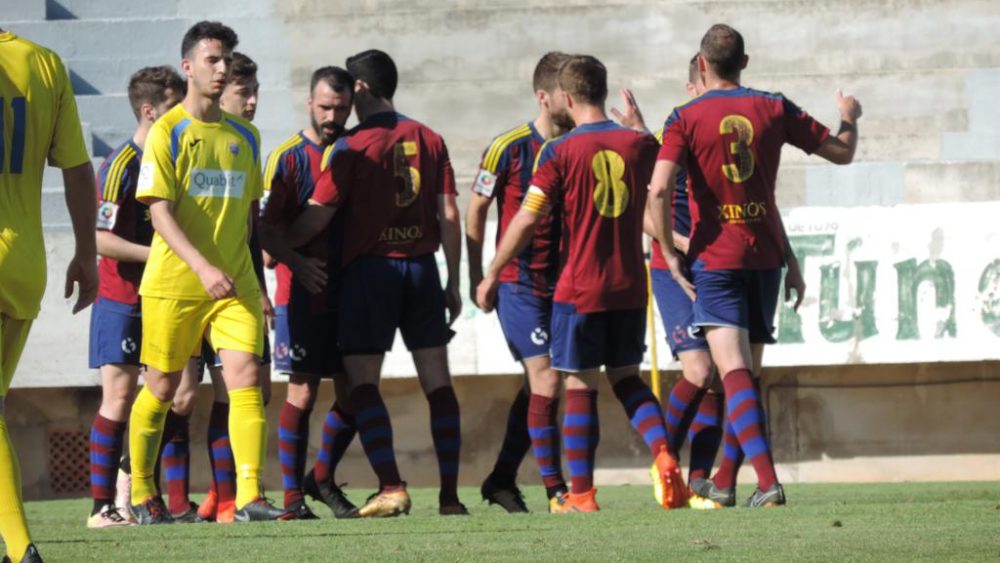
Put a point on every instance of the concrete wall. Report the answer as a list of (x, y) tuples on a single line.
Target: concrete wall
[(864, 423)]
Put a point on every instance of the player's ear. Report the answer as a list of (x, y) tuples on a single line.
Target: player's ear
[(746, 59), (543, 98), (360, 86), (186, 66)]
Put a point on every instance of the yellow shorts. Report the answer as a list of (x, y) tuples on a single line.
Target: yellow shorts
[(172, 329), (13, 335)]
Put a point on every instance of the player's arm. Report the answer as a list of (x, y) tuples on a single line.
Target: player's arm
[(661, 194), (839, 149), (793, 277), (515, 239), (310, 272), (215, 281), (451, 242), (82, 270), (475, 235), (681, 242), (308, 224), (110, 245)]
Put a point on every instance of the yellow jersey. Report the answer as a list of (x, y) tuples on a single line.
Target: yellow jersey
[(38, 122), (211, 173)]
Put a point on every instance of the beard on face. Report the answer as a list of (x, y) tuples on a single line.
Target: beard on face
[(563, 119), (328, 132)]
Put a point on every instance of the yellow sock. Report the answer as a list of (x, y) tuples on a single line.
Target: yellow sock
[(13, 526), (248, 438), (145, 430)]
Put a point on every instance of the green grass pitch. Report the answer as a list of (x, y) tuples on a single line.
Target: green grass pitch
[(904, 522)]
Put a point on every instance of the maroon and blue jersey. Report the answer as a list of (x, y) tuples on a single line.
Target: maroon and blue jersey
[(505, 175), (598, 175), (120, 213), (289, 182), (386, 175), (729, 141)]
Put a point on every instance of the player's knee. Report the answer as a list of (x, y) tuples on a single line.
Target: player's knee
[(544, 382), (697, 368), (300, 393)]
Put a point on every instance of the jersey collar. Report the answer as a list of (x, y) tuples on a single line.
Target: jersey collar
[(7, 36)]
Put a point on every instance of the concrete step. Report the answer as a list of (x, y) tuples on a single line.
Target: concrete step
[(23, 10), (107, 38), (91, 9)]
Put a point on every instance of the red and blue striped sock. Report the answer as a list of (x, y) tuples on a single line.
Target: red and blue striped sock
[(580, 438), (544, 433), (176, 461), (375, 431), (293, 441), (732, 459), (220, 453), (682, 406), (705, 436), (746, 416), (338, 432), (107, 439), (446, 430), (643, 412), (516, 441)]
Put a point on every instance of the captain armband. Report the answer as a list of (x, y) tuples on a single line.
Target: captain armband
[(535, 201)]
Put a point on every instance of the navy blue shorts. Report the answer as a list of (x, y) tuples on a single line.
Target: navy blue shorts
[(210, 359), (306, 343), (115, 333), (585, 341), (524, 319), (677, 313), (744, 299), (379, 295)]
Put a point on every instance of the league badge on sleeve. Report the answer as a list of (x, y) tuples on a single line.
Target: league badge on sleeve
[(106, 215), (145, 181), (485, 183)]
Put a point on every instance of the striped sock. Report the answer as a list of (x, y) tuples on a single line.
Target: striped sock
[(220, 453), (745, 414), (248, 438), (176, 461), (339, 429), (293, 441), (107, 439), (580, 438), (145, 433), (732, 459), (643, 411), (13, 525), (375, 431), (516, 441), (682, 406), (446, 430), (705, 436), (544, 433)]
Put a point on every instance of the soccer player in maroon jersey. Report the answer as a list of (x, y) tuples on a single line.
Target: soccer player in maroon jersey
[(305, 345), (124, 232), (393, 179), (597, 174), (729, 140), (527, 282)]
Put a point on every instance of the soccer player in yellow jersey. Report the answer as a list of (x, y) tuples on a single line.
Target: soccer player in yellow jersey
[(38, 122), (200, 176)]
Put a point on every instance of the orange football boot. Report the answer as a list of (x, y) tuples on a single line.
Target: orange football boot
[(569, 502), (671, 490)]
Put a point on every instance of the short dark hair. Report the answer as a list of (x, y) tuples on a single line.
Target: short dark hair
[(546, 75), (243, 69), (208, 30), (722, 47), (694, 73), (377, 70), (149, 85), (585, 79), (335, 77)]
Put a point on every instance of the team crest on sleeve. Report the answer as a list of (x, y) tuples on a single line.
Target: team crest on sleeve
[(485, 183), (145, 181), (106, 216), (234, 148)]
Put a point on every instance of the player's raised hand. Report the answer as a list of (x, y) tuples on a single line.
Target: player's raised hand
[(848, 106), (216, 282), (486, 293), (310, 272), (794, 280), (83, 273), (631, 116), (453, 302)]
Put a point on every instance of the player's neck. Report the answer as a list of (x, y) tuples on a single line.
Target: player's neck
[(139, 137), (587, 114), (375, 107), (716, 83), (313, 136), (202, 108), (546, 127)]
